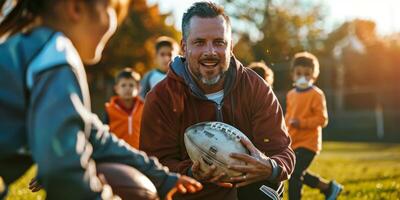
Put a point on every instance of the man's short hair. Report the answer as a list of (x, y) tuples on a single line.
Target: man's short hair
[(202, 9), (306, 59), (127, 73), (165, 41)]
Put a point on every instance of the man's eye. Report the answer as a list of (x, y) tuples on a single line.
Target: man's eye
[(198, 43), (220, 43)]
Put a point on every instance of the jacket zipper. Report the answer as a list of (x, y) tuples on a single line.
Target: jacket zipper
[(130, 124), (219, 112)]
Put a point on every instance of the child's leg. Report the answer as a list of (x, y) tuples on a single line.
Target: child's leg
[(315, 181), (304, 158), (330, 189)]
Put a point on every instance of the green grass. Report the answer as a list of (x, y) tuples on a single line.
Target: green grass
[(367, 171)]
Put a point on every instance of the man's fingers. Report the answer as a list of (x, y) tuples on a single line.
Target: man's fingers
[(225, 185), (247, 143), (208, 175), (237, 179), (244, 157), (217, 178), (195, 166), (246, 183), (244, 168)]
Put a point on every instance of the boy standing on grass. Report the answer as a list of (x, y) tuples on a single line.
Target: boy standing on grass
[(166, 49), (124, 111), (306, 116)]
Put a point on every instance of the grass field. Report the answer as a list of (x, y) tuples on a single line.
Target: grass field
[(368, 171)]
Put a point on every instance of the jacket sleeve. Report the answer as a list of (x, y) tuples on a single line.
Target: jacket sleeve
[(319, 114), (65, 154), (270, 133), (287, 109), (159, 135)]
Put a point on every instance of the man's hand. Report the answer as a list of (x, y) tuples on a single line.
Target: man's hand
[(258, 165), (209, 176), (295, 123), (183, 185)]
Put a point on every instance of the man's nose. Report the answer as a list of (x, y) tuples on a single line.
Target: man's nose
[(210, 49)]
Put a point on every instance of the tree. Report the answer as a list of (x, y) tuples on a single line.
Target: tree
[(276, 30), (133, 44)]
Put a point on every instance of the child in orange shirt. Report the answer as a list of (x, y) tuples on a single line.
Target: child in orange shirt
[(124, 111), (306, 115)]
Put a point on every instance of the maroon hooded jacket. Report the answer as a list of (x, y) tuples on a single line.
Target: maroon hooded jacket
[(249, 104)]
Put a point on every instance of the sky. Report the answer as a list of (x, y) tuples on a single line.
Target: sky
[(383, 12)]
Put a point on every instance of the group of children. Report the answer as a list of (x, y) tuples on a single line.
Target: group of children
[(123, 112), (306, 112)]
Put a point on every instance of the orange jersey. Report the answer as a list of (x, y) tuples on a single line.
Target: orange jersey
[(125, 125), (309, 107)]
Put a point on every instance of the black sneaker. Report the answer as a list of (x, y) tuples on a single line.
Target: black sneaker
[(333, 191)]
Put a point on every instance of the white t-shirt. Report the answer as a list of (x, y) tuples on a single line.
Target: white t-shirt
[(216, 97)]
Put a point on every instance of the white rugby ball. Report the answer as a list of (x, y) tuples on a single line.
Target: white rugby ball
[(210, 143)]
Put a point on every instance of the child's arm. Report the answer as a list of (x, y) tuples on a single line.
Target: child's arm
[(319, 114), (60, 145)]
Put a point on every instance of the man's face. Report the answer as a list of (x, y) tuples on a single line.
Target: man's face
[(208, 48), (164, 56)]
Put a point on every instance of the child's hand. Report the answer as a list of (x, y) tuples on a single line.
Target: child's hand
[(185, 184), (295, 123)]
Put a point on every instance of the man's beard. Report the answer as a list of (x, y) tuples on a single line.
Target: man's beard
[(211, 82)]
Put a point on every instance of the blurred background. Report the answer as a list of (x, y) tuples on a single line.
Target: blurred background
[(356, 41)]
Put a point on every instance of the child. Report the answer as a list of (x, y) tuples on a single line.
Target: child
[(306, 116), (124, 111), (45, 102), (263, 71), (166, 49)]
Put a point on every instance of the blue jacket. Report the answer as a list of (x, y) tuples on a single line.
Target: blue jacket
[(45, 118)]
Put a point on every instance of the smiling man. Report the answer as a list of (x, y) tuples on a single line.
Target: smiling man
[(209, 84)]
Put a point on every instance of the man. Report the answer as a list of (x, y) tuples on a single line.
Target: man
[(209, 84)]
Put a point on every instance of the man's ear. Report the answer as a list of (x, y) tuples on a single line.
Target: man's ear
[(183, 47), (74, 9)]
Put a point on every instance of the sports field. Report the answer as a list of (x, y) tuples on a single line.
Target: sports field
[(368, 171)]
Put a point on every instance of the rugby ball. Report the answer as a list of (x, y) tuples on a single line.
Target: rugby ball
[(127, 182), (210, 143)]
